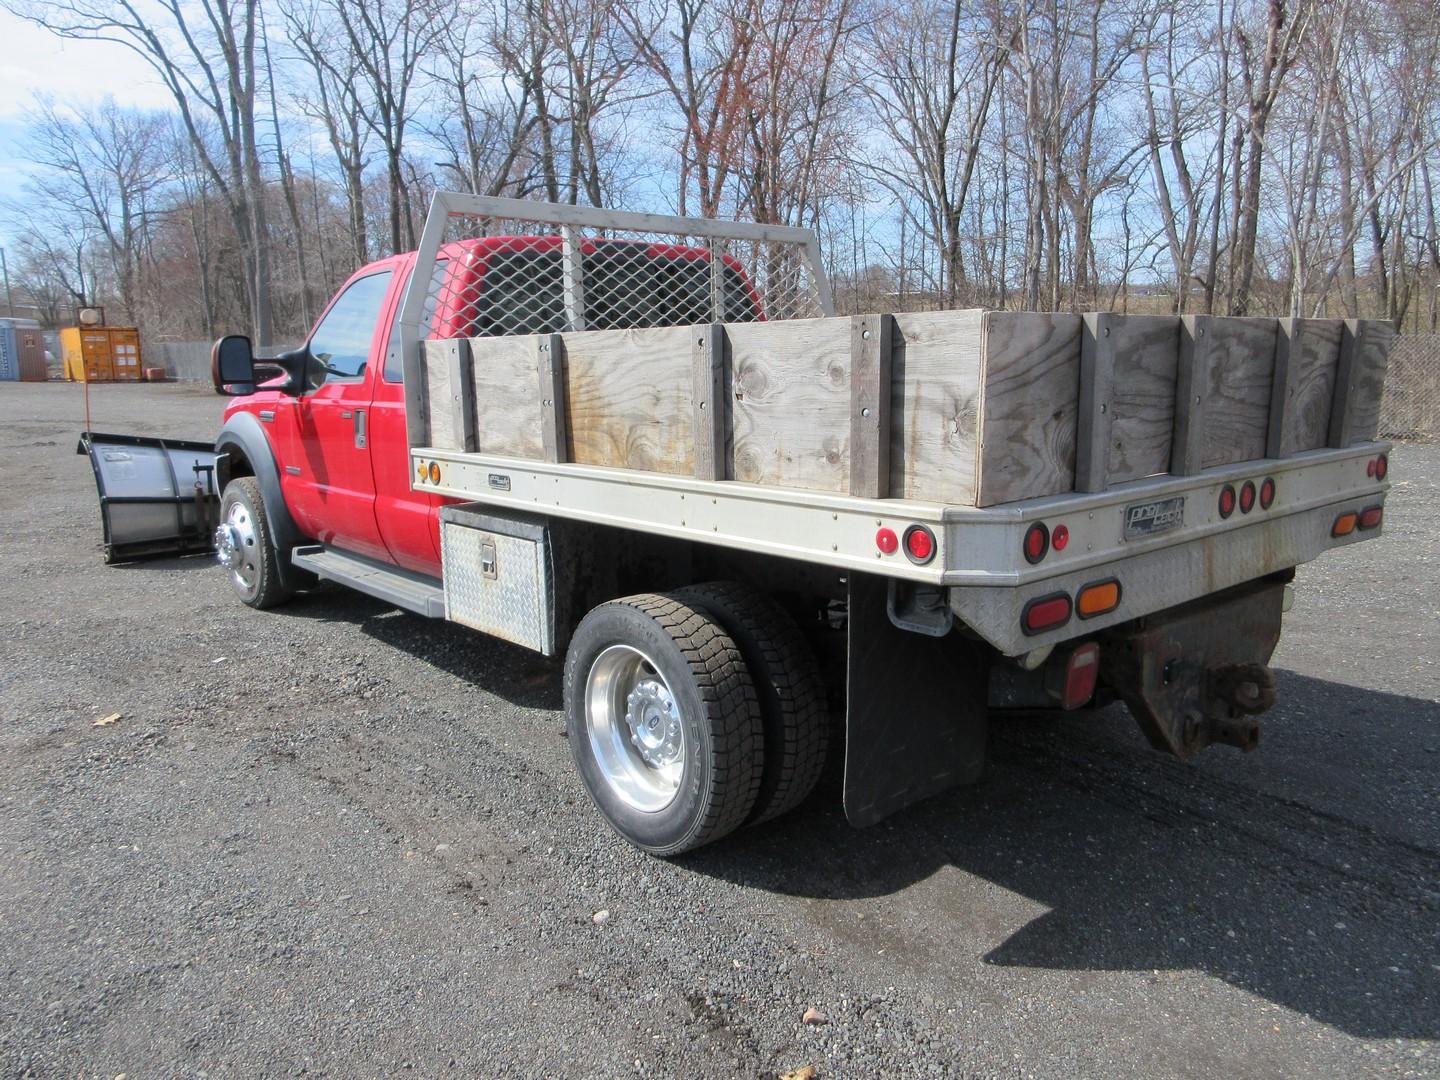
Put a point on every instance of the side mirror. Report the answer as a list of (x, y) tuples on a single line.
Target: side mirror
[(232, 365)]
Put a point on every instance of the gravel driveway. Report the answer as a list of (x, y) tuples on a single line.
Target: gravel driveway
[(340, 840)]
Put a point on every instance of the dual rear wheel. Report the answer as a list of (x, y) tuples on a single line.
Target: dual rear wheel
[(693, 713)]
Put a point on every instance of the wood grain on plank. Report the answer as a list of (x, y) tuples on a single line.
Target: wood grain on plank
[(1192, 375), (446, 363), (1094, 414), (872, 343), (1146, 350), (630, 398), (550, 377), (1028, 403), (790, 386), (1306, 356), (1360, 381), (710, 401), (507, 397), (935, 405), (1237, 391)]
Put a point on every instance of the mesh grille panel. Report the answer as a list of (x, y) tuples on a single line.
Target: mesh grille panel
[(512, 275)]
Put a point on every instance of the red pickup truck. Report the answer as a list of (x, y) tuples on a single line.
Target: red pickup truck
[(736, 515)]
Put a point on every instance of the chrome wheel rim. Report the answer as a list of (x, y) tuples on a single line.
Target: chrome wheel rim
[(236, 549), (635, 729)]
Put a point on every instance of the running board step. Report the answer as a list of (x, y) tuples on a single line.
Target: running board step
[(413, 592)]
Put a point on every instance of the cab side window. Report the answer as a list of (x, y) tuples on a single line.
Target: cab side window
[(340, 345)]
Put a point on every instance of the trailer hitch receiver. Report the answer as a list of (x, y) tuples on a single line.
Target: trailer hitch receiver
[(1197, 674)]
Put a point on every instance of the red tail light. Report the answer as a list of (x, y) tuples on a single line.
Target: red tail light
[(1045, 613), (1382, 466), (887, 541), (919, 544), (1037, 542), (1059, 537), (1227, 501), (1247, 497), (1081, 674), (1267, 493), (1370, 517)]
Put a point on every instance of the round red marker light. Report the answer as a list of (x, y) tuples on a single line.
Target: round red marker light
[(919, 544), (1267, 493), (1227, 501), (887, 541), (1059, 537), (1370, 467), (1037, 542), (1382, 466), (1247, 497)]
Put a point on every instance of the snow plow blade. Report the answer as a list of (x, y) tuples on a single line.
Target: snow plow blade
[(157, 496)]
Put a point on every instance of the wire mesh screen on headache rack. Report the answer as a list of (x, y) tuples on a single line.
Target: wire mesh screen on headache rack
[(502, 266)]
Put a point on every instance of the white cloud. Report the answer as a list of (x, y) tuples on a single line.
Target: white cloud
[(35, 60)]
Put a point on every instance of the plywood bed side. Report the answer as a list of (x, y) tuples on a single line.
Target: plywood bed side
[(505, 375), (790, 403), (1029, 392), (629, 398), (935, 405), (1145, 350), (448, 405), (1237, 389)]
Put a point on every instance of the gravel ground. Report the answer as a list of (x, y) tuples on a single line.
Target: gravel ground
[(336, 839)]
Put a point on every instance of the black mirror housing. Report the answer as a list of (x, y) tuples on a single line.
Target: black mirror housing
[(232, 365)]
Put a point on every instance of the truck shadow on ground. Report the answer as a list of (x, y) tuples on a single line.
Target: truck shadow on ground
[(1311, 879), (1307, 874)]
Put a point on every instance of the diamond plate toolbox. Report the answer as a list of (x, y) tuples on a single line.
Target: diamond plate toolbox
[(498, 576)]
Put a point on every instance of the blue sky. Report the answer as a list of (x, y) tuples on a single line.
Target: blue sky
[(35, 60)]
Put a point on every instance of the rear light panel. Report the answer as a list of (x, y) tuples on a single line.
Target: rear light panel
[(1227, 501), (1045, 613), (1082, 671), (1097, 598), (919, 544), (1037, 542), (1247, 497)]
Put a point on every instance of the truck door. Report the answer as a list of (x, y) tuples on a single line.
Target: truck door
[(409, 519), (334, 495)]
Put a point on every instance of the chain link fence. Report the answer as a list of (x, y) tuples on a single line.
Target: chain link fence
[(1410, 406)]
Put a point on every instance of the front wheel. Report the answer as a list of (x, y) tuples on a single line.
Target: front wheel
[(244, 548), (663, 722)]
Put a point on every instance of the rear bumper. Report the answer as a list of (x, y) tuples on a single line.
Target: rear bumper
[(1155, 578)]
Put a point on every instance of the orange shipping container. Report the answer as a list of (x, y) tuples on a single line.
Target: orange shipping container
[(101, 353)]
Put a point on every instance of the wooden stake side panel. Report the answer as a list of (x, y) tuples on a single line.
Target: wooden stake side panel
[(955, 407), (1029, 393), (446, 368), (790, 403), (1146, 350), (1307, 353), (1237, 390), (935, 406), (631, 398), (508, 417)]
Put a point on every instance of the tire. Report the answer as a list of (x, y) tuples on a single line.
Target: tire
[(248, 553), (657, 669), (791, 693)]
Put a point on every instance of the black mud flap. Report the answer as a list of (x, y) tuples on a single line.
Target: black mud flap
[(157, 496), (915, 710), (1197, 674)]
